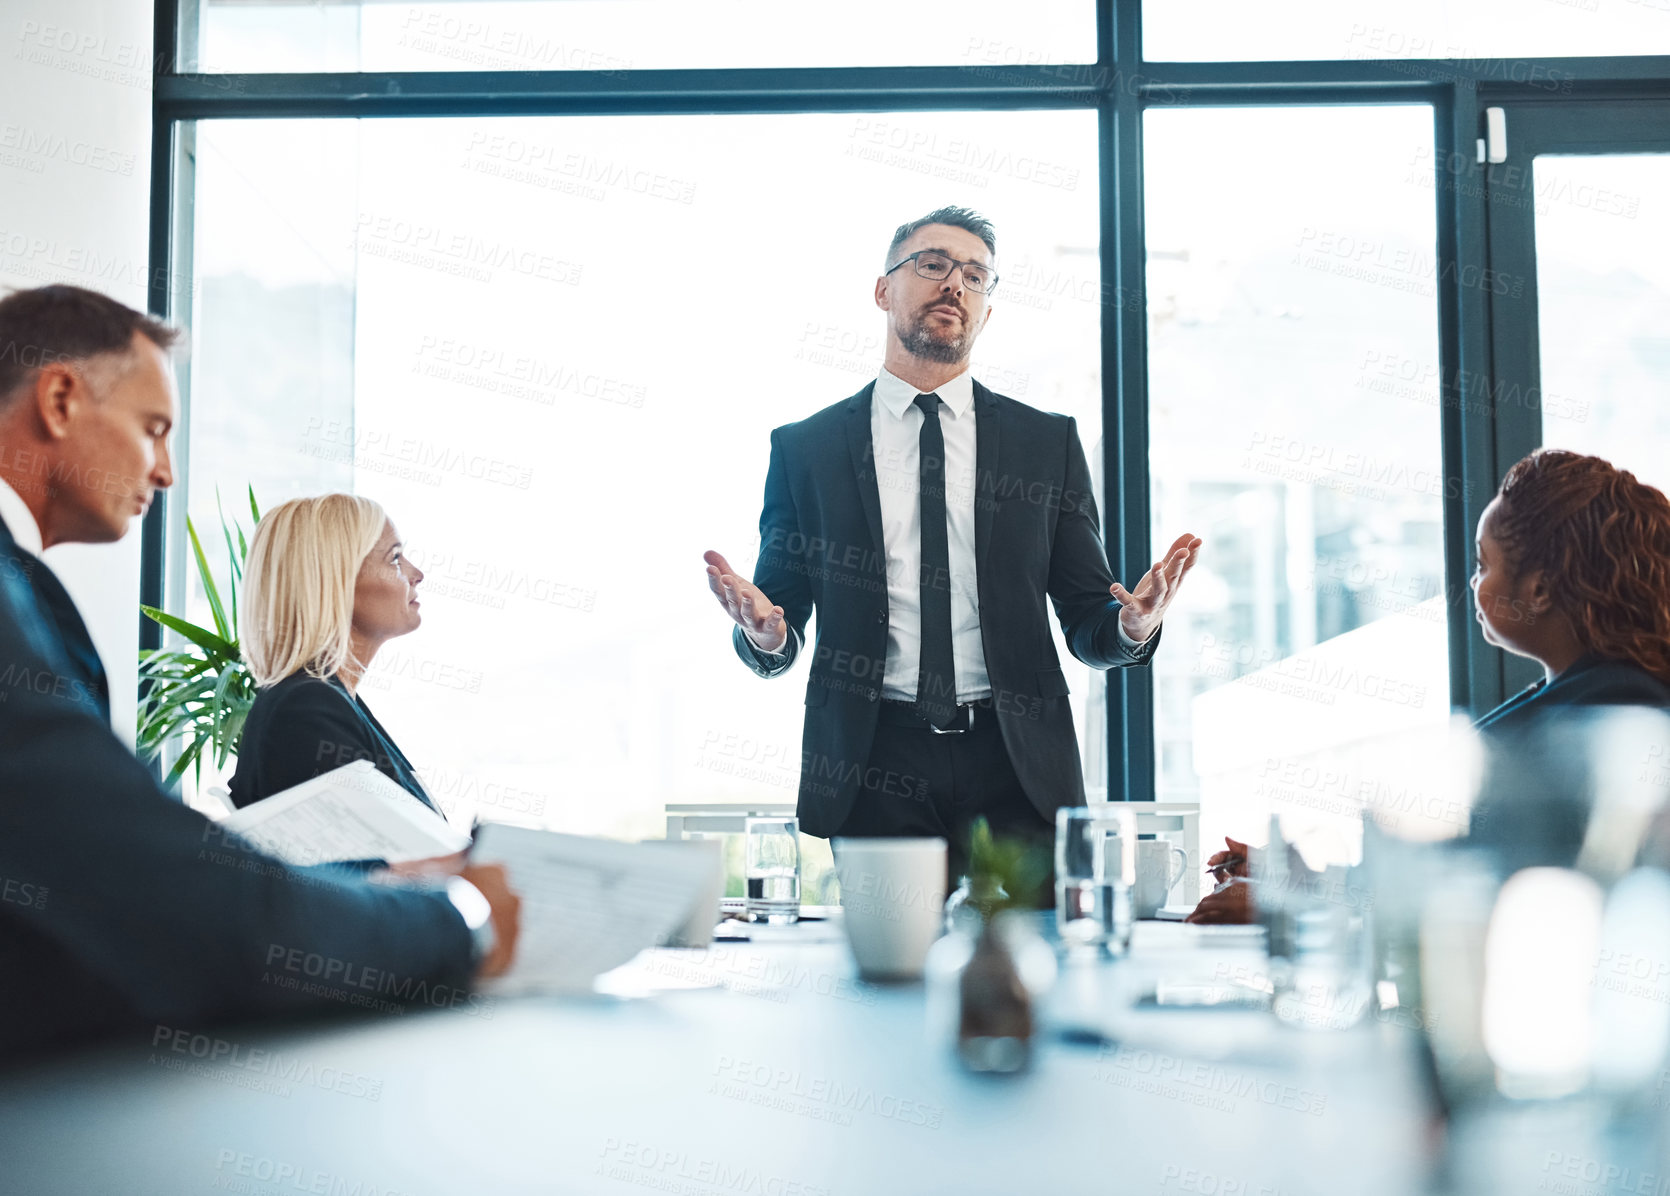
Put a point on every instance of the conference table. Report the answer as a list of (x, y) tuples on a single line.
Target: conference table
[(760, 1067)]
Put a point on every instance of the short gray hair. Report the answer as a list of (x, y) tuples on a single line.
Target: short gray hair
[(964, 218), (59, 323)]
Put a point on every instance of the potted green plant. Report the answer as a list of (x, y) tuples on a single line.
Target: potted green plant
[(201, 691)]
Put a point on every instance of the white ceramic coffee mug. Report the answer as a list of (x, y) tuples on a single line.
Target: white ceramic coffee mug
[(892, 902), (1159, 867)]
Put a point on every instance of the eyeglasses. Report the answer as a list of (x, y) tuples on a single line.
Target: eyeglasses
[(930, 263)]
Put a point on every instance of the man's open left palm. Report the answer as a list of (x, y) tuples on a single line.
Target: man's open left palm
[(1145, 606)]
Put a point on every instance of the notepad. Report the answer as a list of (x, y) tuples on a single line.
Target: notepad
[(350, 813)]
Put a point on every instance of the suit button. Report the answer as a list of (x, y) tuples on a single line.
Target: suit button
[(871, 693), (881, 616)]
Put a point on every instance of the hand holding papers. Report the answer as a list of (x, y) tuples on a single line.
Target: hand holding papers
[(588, 905), (351, 813)]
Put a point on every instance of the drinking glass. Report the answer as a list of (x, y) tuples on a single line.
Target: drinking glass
[(773, 869), (1316, 910), (1095, 869)]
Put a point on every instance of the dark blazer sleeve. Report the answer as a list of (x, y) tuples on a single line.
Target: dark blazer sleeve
[(309, 730), (150, 902), (780, 572), (1079, 577)]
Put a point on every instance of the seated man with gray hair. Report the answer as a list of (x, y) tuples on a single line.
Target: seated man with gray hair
[(122, 909)]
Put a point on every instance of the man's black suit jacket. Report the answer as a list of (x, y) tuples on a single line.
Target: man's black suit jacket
[(1036, 535), (122, 909), (73, 668)]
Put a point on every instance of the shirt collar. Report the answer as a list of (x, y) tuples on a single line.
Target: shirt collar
[(895, 394), (14, 512)]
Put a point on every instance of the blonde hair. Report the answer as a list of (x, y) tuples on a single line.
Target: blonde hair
[(299, 584)]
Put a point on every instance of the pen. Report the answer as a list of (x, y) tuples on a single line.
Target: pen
[(1234, 860)]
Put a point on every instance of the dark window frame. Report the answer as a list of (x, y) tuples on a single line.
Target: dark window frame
[(1118, 86)]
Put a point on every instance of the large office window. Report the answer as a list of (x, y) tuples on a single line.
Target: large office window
[(622, 35), (554, 345), (1294, 390), (1496, 38), (554, 349), (1603, 295)]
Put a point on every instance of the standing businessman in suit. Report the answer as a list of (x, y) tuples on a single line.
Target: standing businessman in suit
[(86, 408), (926, 519)]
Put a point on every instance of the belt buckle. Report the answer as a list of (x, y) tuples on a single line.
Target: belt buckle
[(968, 722)]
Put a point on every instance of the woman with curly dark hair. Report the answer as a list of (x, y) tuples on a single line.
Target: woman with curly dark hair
[(1574, 572)]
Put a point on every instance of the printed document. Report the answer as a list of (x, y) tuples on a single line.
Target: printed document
[(588, 905), (350, 813)]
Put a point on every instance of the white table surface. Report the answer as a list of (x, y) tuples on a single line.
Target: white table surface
[(776, 1072)]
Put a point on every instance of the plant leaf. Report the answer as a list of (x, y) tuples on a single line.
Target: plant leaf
[(155, 735), (209, 587), (201, 636), (188, 757), (232, 563), (233, 729), (174, 669), (217, 707)]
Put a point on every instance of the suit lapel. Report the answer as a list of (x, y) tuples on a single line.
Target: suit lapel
[(17, 586), (78, 644), (987, 438), (861, 444), (62, 620)]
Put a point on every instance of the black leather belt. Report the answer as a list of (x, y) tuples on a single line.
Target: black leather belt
[(903, 714)]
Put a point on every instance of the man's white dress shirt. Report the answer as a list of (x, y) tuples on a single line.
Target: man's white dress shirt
[(19, 520), (896, 434)]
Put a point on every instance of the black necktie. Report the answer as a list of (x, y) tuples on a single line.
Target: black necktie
[(936, 683)]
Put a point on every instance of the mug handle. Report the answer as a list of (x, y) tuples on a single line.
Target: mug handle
[(1181, 858)]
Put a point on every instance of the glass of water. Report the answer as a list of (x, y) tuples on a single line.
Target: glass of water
[(1095, 869), (773, 869), (1315, 907)]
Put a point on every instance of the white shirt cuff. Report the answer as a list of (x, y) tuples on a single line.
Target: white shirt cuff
[(783, 651)]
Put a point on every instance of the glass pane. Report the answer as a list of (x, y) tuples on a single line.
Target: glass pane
[(1603, 307), (554, 349), (272, 326), (1487, 35), (619, 35), (1293, 354)]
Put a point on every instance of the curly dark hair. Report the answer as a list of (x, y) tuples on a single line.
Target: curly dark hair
[(1602, 540)]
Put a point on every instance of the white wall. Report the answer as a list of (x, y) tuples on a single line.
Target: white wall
[(75, 145)]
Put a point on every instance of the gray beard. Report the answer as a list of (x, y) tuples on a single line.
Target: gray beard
[(919, 342)]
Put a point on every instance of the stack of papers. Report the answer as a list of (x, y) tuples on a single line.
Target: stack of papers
[(588, 905), (351, 813)]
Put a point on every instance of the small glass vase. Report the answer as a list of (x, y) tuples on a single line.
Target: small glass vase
[(985, 980)]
